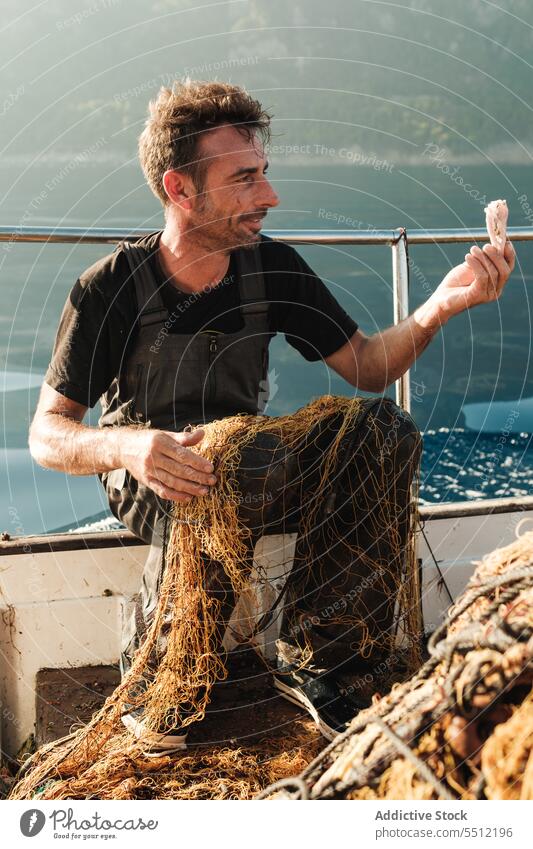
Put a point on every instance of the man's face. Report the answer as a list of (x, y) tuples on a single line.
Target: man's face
[(235, 197)]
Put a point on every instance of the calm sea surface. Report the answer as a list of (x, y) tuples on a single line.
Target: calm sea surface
[(472, 390)]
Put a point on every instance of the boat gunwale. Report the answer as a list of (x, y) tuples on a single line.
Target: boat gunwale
[(72, 541)]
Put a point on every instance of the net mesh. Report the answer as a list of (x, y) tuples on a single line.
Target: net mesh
[(462, 726)]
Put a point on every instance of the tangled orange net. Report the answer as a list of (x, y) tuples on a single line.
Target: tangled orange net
[(174, 670)]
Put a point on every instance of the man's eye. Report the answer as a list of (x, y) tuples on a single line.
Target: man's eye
[(247, 179)]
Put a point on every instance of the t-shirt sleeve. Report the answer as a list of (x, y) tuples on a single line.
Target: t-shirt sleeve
[(82, 365), (306, 311)]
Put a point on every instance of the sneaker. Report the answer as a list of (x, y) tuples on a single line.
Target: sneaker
[(321, 697), (155, 744)]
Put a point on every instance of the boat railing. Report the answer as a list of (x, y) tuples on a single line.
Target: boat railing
[(397, 239)]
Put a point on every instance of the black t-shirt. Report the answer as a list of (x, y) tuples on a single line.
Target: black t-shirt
[(99, 319)]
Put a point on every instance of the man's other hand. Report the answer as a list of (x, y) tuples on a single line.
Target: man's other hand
[(163, 461)]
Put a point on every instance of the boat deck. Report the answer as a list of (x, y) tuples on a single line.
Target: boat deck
[(69, 697), (244, 708)]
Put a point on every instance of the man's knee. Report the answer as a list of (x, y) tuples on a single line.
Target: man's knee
[(394, 431), (264, 478)]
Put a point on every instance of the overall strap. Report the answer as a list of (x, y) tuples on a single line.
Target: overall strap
[(252, 289), (151, 308)]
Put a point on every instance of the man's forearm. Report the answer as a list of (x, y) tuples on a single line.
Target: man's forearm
[(388, 354), (61, 443)]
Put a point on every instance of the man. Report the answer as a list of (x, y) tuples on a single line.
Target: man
[(174, 330)]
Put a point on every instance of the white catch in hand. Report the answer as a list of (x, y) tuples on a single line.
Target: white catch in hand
[(497, 213)]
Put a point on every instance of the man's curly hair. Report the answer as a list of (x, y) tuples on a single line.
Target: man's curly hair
[(178, 118)]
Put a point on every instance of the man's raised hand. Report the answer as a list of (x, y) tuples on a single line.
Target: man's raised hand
[(480, 279)]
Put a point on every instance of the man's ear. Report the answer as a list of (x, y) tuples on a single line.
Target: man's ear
[(176, 186)]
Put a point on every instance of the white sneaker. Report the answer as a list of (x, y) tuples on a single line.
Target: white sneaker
[(155, 744)]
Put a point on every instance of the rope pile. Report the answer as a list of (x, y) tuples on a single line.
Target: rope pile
[(179, 662), (462, 726)]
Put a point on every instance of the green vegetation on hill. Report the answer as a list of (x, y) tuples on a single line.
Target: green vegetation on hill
[(380, 76)]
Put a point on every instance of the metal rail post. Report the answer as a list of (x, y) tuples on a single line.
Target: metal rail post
[(400, 288)]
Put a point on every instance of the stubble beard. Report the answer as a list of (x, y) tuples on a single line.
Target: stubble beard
[(214, 233)]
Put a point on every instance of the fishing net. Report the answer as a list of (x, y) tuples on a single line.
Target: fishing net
[(179, 663), (462, 726)]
